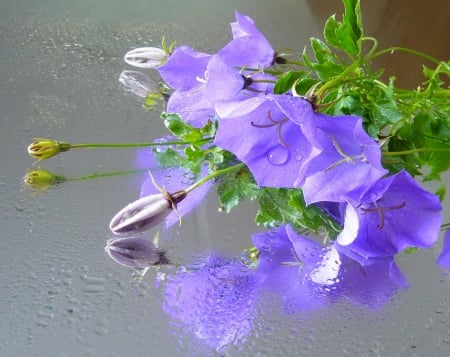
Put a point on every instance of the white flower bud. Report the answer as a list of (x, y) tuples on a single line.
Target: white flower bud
[(145, 213), (146, 57)]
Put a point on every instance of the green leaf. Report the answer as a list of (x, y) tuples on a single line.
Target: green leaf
[(287, 206), (287, 80), (236, 187), (329, 31), (180, 128)]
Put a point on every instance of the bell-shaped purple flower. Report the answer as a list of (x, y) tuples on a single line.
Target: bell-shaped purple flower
[(395, 214), (183, 68), (215, 301), (274, 148), (249, 47), (349, 162), (444, 257)]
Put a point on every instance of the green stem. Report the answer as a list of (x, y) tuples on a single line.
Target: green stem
[(214, 175), (137, 145), (412, 151), (407, 50), (105, 174)]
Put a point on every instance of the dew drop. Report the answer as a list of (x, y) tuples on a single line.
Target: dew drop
[(278, 155)]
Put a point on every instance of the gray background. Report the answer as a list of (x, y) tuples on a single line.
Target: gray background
[(60, 293)]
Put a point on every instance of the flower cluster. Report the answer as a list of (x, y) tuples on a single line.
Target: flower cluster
[(286, 142)]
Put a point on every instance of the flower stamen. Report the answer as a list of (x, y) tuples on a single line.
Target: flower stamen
[(378, 208), (272, 124)]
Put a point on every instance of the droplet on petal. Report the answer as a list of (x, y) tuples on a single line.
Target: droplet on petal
[(278, 155)]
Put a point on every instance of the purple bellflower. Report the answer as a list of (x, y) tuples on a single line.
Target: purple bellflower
[(349, 162), (444, 257), (395, 214), (216, 301), (249, 47), (274, 148)]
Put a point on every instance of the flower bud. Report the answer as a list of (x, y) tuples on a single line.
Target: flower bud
[(45, 148), (145, 213), (136, 253), (41, 179), (138, 83), (146, 57)]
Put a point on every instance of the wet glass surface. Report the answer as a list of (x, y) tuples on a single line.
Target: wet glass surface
[(61, 294)]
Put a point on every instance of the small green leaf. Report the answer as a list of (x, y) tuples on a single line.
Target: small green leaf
[(236, 187), (287, 80)]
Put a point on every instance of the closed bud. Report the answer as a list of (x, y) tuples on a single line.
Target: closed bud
[(145, 213), (138, 83), (146, 57), (136, 253), (41, 179), (45, 148)]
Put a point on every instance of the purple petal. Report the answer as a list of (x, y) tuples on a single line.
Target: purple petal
[(444, 257), (183, 67)]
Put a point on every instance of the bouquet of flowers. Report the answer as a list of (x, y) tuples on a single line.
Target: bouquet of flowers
[(327, 148)]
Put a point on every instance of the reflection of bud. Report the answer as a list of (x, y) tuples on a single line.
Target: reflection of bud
[(138, 83), (146, 57), (45, 148), (136, 253), (41, 179), (145, 213)]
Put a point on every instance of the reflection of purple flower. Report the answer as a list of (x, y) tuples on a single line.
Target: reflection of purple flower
[(216, 301), (308, 276), (273, 147), (172, 179), (380, 225), (249, 47), (444, 257), (349, 162)]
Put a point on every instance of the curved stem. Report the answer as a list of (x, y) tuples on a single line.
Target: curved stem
[(136, 145), (214, 175), (407, 50), (412, 151)]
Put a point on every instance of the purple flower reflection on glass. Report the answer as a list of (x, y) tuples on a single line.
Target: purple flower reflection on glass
[(444, 257), (216, 301), (169, 178), (273, 147), (308, 276), (380, 225)]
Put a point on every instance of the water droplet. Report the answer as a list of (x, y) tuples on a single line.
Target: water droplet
[(278, 155)]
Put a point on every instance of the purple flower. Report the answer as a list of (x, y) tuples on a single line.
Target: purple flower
[(349, 162), (274, 148), (309, 276), (172, 179), (395, 214), (183, 67), (136, 253), (249, 47), (444, 257), (216, 301)]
